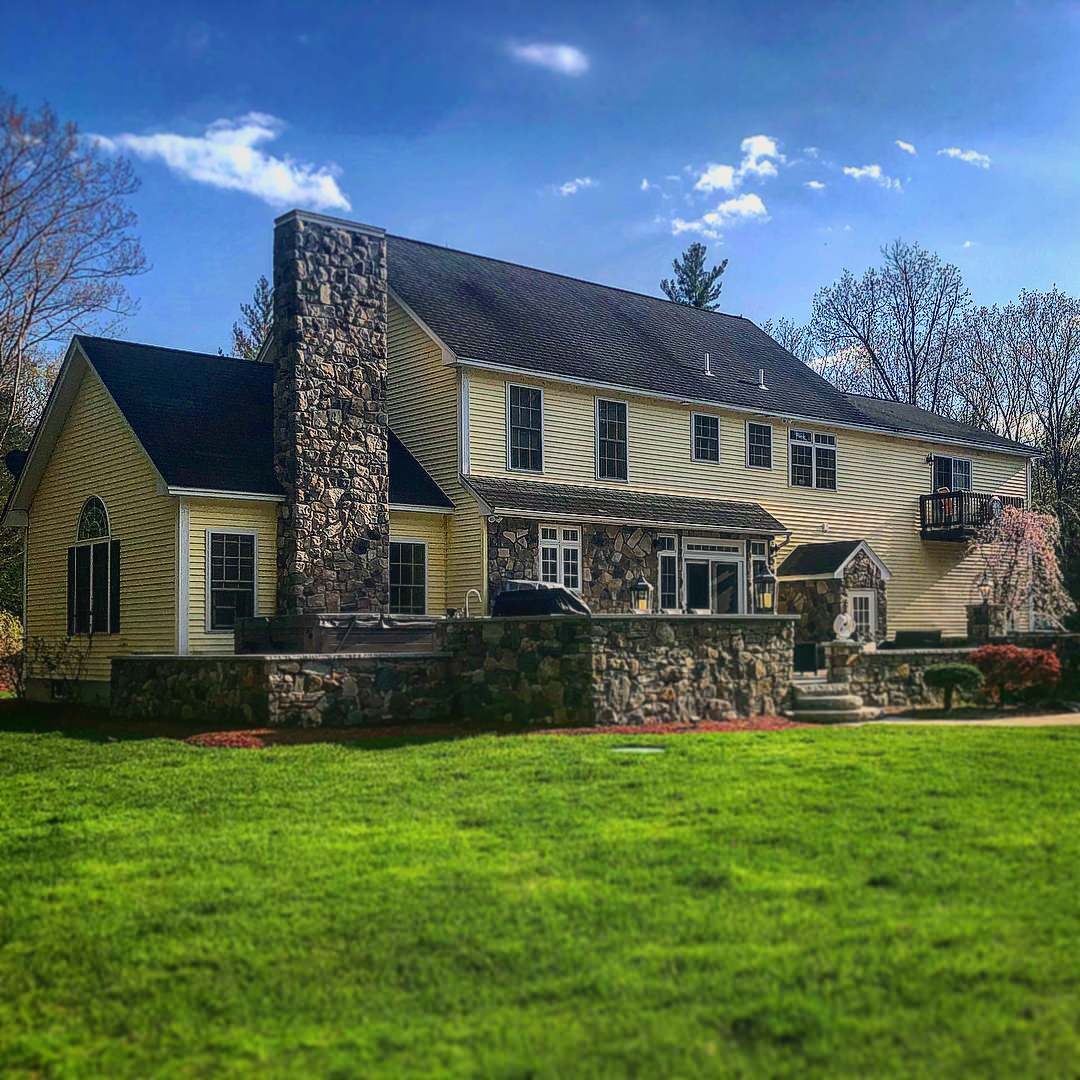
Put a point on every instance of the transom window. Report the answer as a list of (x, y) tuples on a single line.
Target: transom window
[(759, 446), (812, 457), (408, 577), (560, 556), (705, 437), (952, 473), (93, 574), (611, 440), (668, 572), (230, 578), (525, 418)]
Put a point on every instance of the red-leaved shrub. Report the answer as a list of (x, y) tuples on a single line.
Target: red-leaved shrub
[(1011, 668)]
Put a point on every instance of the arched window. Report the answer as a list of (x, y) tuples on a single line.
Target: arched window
[(93, 521), (93, 577)]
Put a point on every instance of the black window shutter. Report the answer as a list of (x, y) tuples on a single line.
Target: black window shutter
[(82, 589), (71, 592), (114, 587)]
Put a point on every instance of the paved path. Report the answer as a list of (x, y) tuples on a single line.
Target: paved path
[(1048, 720)]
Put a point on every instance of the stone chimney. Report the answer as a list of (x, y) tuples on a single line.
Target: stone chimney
[(330, 426)]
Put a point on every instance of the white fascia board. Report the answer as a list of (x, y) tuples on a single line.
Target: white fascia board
[(407, 508), (205, 493), (448, 357)]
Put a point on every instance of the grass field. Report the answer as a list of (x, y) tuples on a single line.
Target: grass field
[(873, 902)]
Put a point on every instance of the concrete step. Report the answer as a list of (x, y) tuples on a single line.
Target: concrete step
[(820, 689), (826, 702), (831, 716)]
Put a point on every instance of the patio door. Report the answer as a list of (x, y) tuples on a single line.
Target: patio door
[(714, 585)]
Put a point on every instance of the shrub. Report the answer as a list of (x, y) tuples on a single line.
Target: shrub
[(11, 653), (952, 677), (1011, 668)]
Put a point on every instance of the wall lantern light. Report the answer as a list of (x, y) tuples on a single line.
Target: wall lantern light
[(764, 588), (641, 590), (985, 585)]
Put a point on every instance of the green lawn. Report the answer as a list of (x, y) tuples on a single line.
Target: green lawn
[(840, 903)]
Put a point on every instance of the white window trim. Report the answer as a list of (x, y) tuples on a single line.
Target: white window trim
[(596, 439), (835, 447), (693, 442), (772, 446), (559, 544), (954, 458), (872, 595), (464, 446), (737, 558), (510, 467), (672, 553), (427, 573), (255, 573)]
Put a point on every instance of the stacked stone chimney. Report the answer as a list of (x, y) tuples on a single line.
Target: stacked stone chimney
[(330, 426)]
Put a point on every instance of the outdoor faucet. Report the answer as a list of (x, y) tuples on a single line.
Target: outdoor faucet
[(479, 599)]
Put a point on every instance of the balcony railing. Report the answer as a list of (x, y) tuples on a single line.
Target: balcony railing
[(959, 515)]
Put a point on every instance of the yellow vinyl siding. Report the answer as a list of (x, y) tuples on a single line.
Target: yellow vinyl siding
[(431, 530), (879, 481), (225, 515), (423, 411), (97, 454)]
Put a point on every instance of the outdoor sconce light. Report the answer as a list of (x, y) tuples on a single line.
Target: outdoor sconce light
[(641, 590), (985, 586), (764, 588)]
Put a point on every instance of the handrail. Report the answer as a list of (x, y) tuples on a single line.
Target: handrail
[(951, 511)]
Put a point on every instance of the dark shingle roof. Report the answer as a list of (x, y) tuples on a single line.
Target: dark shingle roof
[(809, 559), (498, 312), (899, 417), (598, 504), (207, 421)]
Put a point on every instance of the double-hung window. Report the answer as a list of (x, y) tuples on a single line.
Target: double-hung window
[(952, 473), (704, 437), (230, 578), (93, 574), (525, 428), (408, 577), (812, 458), (668, 572), (611, 440), (560, 556), (759, 446)]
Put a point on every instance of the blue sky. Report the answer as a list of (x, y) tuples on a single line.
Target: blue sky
[(524, 131)]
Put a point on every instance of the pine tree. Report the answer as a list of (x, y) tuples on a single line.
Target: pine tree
[(693, 284), (252, 328)]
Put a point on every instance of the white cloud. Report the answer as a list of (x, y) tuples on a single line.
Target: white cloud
[(969, 157), (227, 155), (645, 185), (761, 154), (968, 244), (815, 185), (908, 148), (579, 183), (811, 151), (734, 211), (873, 173), (564, 59), (716, 178)]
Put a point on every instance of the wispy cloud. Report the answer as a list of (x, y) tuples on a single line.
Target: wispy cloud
[(761, 155), (735, 211), (811, 151), (564, 59), (579, 183), (908, 148), (645, 185), (228, 155), (969, 157), (968, 244), (814, 185), (874, 174)]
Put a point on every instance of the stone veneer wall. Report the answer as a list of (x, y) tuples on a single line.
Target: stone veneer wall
[(818, 602), (528, 671), (890, 678), (329, 351)]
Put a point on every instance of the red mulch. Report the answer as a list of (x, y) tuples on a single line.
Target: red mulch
[(257, 738)]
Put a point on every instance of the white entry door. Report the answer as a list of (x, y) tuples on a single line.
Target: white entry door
[(864, 611)]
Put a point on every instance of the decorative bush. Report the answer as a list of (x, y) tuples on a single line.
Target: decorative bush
[(1009, 668), (11, 652), (949, 678)]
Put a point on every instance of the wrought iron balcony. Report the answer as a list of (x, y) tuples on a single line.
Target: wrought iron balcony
[(959, 515)]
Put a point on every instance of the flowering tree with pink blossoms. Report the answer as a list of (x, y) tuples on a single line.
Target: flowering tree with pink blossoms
[(1020, 553)]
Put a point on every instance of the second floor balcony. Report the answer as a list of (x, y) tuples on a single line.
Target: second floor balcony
[(960, 515)]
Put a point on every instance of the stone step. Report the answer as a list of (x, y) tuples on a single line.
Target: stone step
[(831, 716), (820, 689), (820, 702)]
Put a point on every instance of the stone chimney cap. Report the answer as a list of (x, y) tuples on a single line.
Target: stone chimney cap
[(333, 222)]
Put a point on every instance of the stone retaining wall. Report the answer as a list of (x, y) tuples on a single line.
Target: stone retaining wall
[(893, 678), (564, 671)]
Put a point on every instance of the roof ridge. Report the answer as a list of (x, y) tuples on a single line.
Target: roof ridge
[(566, 277), (166, 348)]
